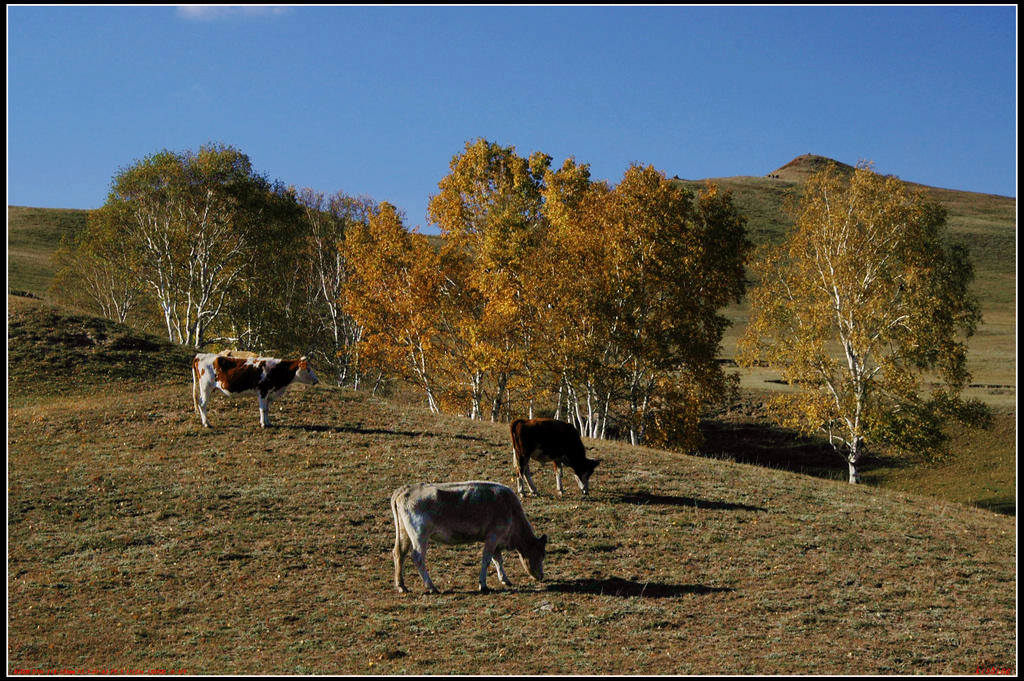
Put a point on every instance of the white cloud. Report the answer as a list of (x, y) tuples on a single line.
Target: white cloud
[(214, 12)]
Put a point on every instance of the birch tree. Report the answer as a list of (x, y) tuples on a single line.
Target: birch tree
[(641, 270), (194, 217), (334, 334), (855, 308), (573, 289), (393, 293), (676, 260), (489, 211), (97, 268)]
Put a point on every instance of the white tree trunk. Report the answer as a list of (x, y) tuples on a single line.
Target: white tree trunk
[(854, 475)]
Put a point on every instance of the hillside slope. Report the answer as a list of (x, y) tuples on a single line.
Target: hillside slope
[(33, 235), (52, 351), (139, 540)]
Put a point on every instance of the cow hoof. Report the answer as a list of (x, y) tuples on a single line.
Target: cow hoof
[(401, 589), (484, 589)]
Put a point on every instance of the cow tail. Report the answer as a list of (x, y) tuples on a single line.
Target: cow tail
[(517, 447), (195, 383), (398, 521), (401, 519)]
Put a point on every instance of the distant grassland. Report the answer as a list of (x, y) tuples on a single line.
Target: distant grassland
[(138, 540)]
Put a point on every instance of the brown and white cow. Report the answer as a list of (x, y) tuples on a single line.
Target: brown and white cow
[(461, 513), (546, 440), (267, 377)]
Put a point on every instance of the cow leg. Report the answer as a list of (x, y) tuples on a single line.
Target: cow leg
[(529, 478), (519, 485), (518, 473), (500, 569), (202, 396), (491, 553), (521, 469), (417, 546), (558, 477), (264, 411), (419, 559)]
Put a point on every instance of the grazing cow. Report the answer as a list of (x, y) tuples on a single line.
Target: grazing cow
[(549, 440), (265, 376), (461, 513)]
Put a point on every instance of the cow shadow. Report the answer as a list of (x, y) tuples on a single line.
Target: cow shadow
[(626, 588), (642, 498)]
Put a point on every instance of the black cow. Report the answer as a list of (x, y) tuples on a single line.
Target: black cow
[(545, 440)]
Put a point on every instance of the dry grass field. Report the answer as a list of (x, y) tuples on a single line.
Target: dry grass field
[(138, 540)]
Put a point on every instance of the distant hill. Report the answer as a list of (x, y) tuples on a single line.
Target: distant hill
[(802, 167), (33, 235), (762, 199)]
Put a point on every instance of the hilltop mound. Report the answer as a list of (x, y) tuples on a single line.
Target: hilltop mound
[(805, 165), (80, 351)]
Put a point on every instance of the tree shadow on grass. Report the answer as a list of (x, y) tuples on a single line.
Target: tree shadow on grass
[(643, 498), (377, 431), (770, 446), (626, 588), (1004, 504)]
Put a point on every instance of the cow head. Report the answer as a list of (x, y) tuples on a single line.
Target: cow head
[(583, 474), (532, 557), (305, 374)]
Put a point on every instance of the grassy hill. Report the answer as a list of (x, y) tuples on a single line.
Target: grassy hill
[(33, 235), (138, 540), (74, 352)]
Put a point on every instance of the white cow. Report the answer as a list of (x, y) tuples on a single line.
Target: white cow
[(461, 513)]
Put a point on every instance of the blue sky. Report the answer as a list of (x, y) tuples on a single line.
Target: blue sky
[(376, 100)]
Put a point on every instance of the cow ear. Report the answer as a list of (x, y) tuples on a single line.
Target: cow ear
[(543, 540)]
